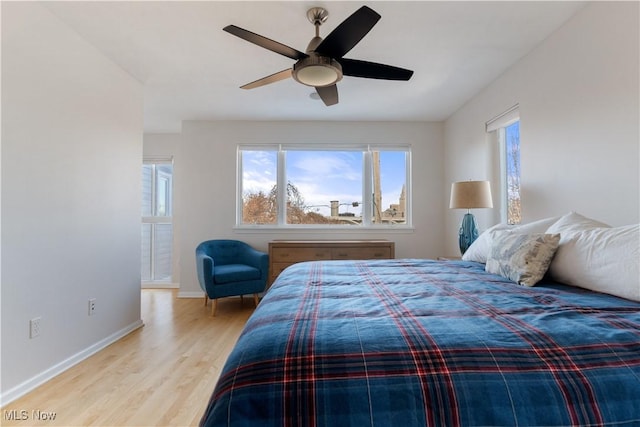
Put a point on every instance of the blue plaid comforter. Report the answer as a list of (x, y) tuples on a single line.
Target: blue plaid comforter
[(419, 342)]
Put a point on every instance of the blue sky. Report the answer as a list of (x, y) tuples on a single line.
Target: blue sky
[(513, 160), (323, 176)]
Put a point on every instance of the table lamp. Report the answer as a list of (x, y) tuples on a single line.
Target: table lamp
[(469, 195)]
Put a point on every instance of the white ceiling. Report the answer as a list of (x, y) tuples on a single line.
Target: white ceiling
[(192, 70)]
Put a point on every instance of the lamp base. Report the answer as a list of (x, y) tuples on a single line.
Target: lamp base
[(468, 232)]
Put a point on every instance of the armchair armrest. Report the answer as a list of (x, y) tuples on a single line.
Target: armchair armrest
[(204, 265), (257, 259)]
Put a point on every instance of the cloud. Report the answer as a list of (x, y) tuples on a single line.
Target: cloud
[(253, 181), (258, 171), (309, 165)]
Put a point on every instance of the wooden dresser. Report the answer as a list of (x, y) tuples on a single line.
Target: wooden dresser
[(283, 253)]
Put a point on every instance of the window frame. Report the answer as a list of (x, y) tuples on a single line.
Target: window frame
[(505, 175), (497, 126), (367, 186), (154, 219)]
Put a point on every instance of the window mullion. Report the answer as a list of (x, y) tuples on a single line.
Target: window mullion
[(239, 187), (407, 188), (282, 188), (367, 189)]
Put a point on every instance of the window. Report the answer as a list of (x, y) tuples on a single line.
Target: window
[(259, 174), (505, 130), (301, 186), (512, 168), (157, 227), (390, 201)]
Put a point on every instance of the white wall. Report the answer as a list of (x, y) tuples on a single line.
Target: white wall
[(579, 109), (205, 173), (71, 155)]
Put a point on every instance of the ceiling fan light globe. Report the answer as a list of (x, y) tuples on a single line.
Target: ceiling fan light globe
[(317, 71), (317, 76)]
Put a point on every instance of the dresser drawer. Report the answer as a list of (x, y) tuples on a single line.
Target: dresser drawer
[(278, 267), (361, 253), (293, 254), (283, 253)]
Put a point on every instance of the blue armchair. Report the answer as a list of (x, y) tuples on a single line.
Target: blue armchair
[(230, 268)]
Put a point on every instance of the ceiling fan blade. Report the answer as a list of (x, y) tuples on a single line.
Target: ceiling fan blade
[(346, 35), (328, 94), (373, 70), (276, 77), (264, 42)]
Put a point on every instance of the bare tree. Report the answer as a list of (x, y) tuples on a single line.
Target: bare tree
[(260, 208), (514, 208)]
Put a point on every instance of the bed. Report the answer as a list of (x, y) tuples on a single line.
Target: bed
[(415, 342)]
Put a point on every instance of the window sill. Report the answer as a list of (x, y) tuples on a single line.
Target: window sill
[(322, 229)]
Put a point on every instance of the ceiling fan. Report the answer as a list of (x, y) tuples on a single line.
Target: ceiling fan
[(323, 64)]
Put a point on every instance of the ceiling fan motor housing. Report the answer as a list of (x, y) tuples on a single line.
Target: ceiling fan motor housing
[(317, 70)]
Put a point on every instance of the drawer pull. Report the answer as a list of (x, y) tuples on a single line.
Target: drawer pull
[(343, 254), (378, 254)]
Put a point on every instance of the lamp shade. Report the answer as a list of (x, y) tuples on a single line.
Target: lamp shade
[(470, 195)]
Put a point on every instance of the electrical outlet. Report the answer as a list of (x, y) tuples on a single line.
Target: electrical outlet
[(34, 327), (92, 306)]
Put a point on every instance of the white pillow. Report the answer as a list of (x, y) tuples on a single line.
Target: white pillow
[(479, 249), (523, 258), (574, 221), (539, 226), (601, 259)]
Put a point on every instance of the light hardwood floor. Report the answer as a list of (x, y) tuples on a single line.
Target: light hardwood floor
[(160, 375)]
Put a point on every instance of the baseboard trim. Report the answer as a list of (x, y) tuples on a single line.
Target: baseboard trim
[(190, 294), (160, 285), (36, 381)]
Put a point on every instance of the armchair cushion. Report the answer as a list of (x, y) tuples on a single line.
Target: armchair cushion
[(234, 273)]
